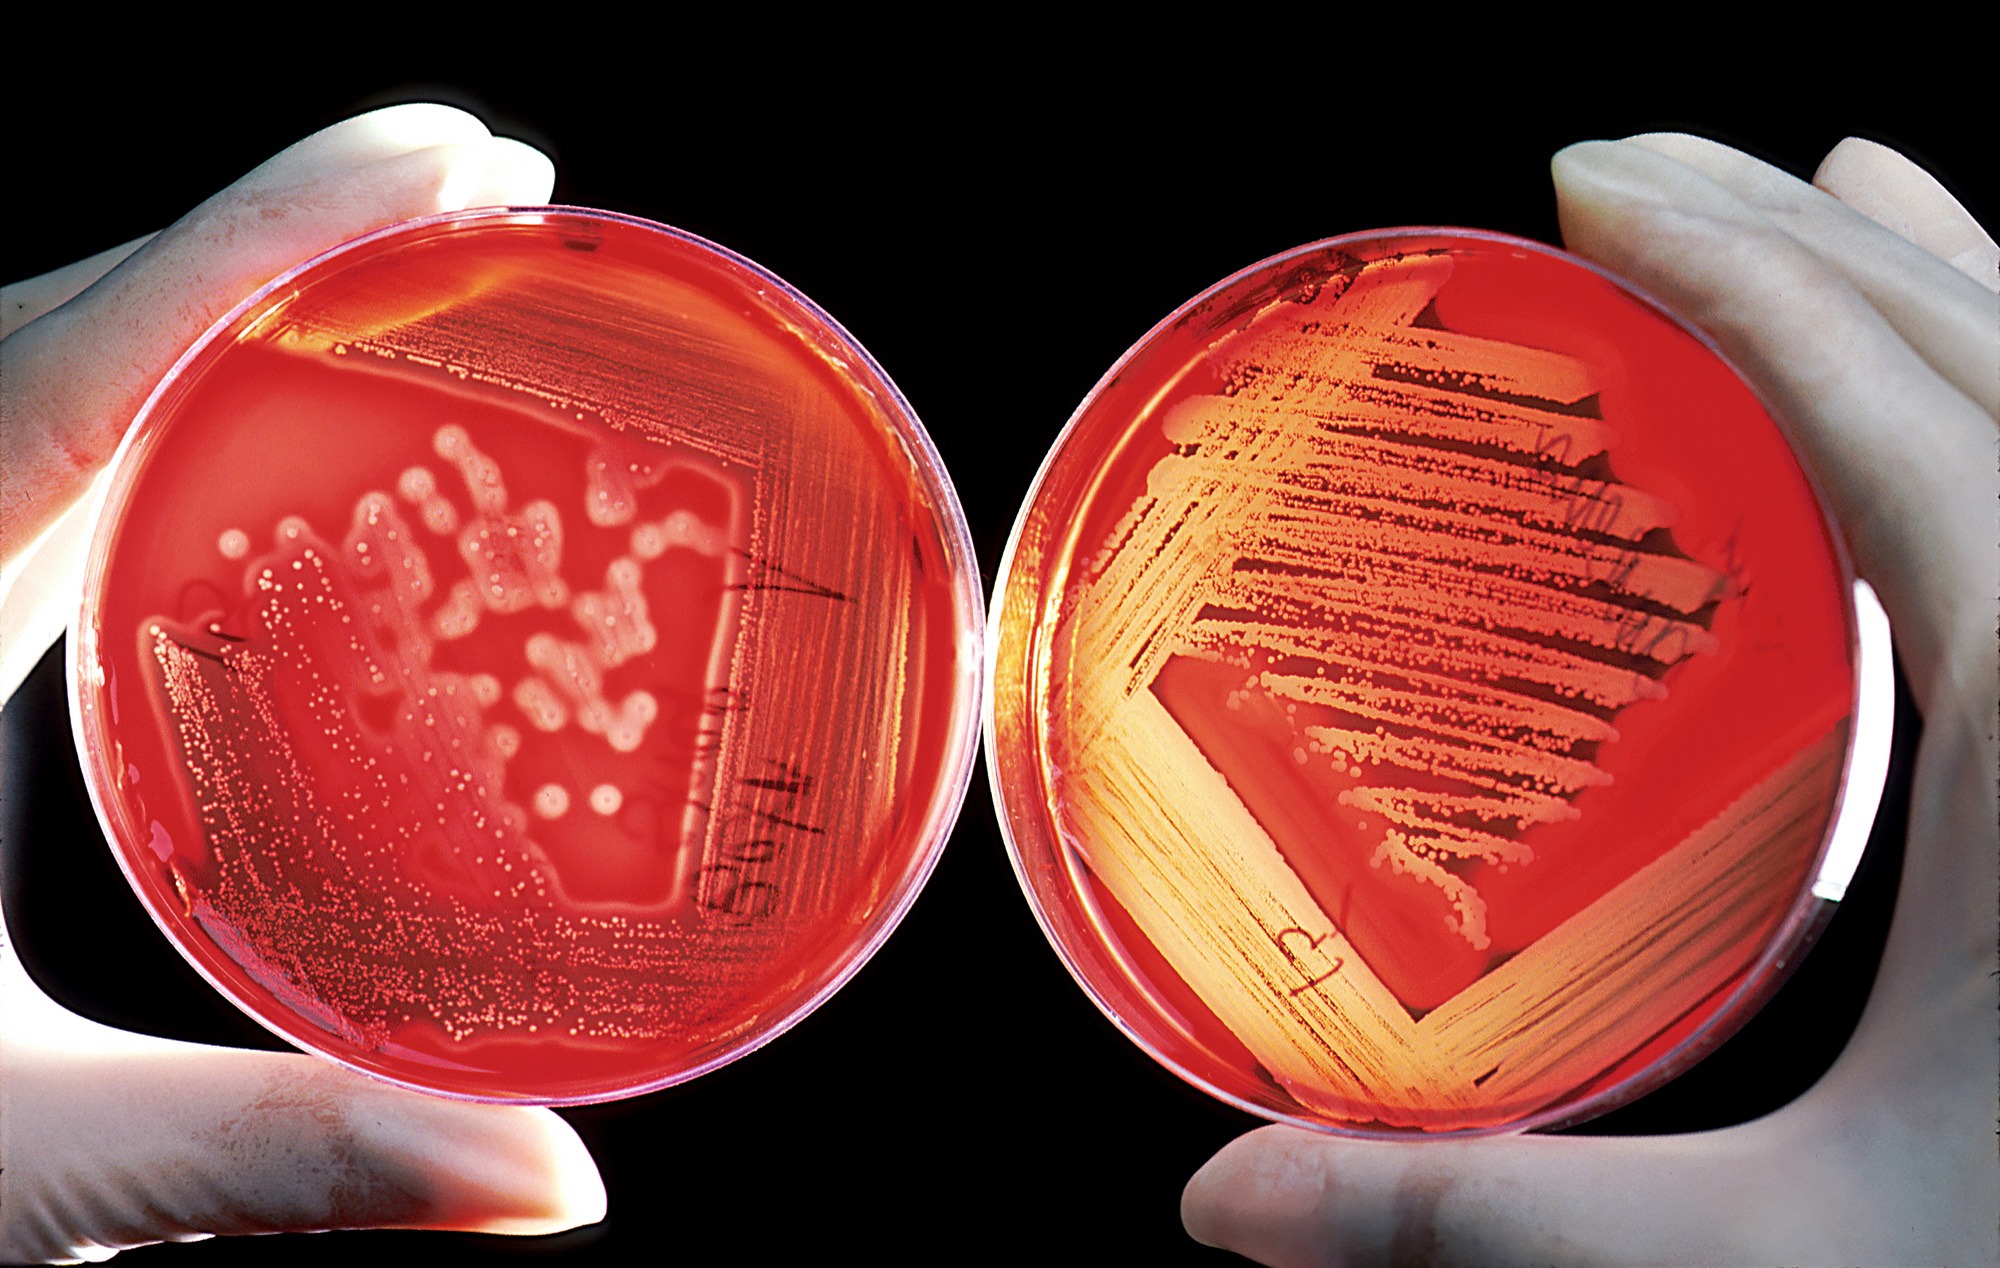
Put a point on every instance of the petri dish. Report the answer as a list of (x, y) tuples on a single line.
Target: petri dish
[(1424, 690), (527, 655)]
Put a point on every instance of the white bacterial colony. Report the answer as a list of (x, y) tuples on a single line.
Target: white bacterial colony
[(335, 761)]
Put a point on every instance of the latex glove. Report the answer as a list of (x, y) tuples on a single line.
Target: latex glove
[(107, 1139), (1865, 311)]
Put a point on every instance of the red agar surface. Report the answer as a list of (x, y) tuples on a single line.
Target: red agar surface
[(1422, 686), (525, 658)]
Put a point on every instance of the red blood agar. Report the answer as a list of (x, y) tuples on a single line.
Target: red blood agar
[(1422, 679), (528, 656)]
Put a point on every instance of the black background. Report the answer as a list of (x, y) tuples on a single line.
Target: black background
[(996, 236)]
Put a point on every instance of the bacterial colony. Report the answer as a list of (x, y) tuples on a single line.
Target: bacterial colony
[(413, 813), (1362, 735), (529, 687)]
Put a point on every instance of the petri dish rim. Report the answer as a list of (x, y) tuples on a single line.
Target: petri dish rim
[(1854, 800), (956, 766)]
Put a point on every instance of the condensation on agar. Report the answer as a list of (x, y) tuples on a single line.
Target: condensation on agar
[(528, 656), (1422, 680)]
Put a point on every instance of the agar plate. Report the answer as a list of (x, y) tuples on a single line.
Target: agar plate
[(527, 655), (1423, 690)]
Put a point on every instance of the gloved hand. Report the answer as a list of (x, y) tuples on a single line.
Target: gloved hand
[(108, 1139), (1865, 311)]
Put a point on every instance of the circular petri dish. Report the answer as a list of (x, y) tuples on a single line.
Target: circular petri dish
[(528, 655), (1423, 690)]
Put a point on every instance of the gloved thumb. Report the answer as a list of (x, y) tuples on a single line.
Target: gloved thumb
[(1285, 1196), (110, 1140)]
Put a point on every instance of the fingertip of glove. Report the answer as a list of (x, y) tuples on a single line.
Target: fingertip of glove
[(1616, 180), (571, 1194), (1855, 151), (1251, 1177), (499, 172), (1674, 144), (410, 126), (517, 1171), (356, 142), (1599, 183), (1588, 161), (1579, 152)]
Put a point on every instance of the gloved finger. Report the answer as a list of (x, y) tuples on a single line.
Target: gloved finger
[(371, 137), (1283, 1196), (1925, 1058), (1768, 1192), (1950, 320), (21, 302), (78, 374), (112, 1140), (1905, 199), (351, 143), (37, 594), (1907, 460)]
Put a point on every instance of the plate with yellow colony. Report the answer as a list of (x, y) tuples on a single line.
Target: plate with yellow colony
[(1424, 688)]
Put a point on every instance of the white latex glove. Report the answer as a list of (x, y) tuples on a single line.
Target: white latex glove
[(1865, 309), (107, 1139)]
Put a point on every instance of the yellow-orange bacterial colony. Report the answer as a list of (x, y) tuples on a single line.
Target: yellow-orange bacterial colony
[(528, 657), (1421, 686)]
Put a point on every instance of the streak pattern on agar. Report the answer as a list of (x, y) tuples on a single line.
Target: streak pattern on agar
[(1398, 528), (1397, 763), (486, 770), (417, 897)]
